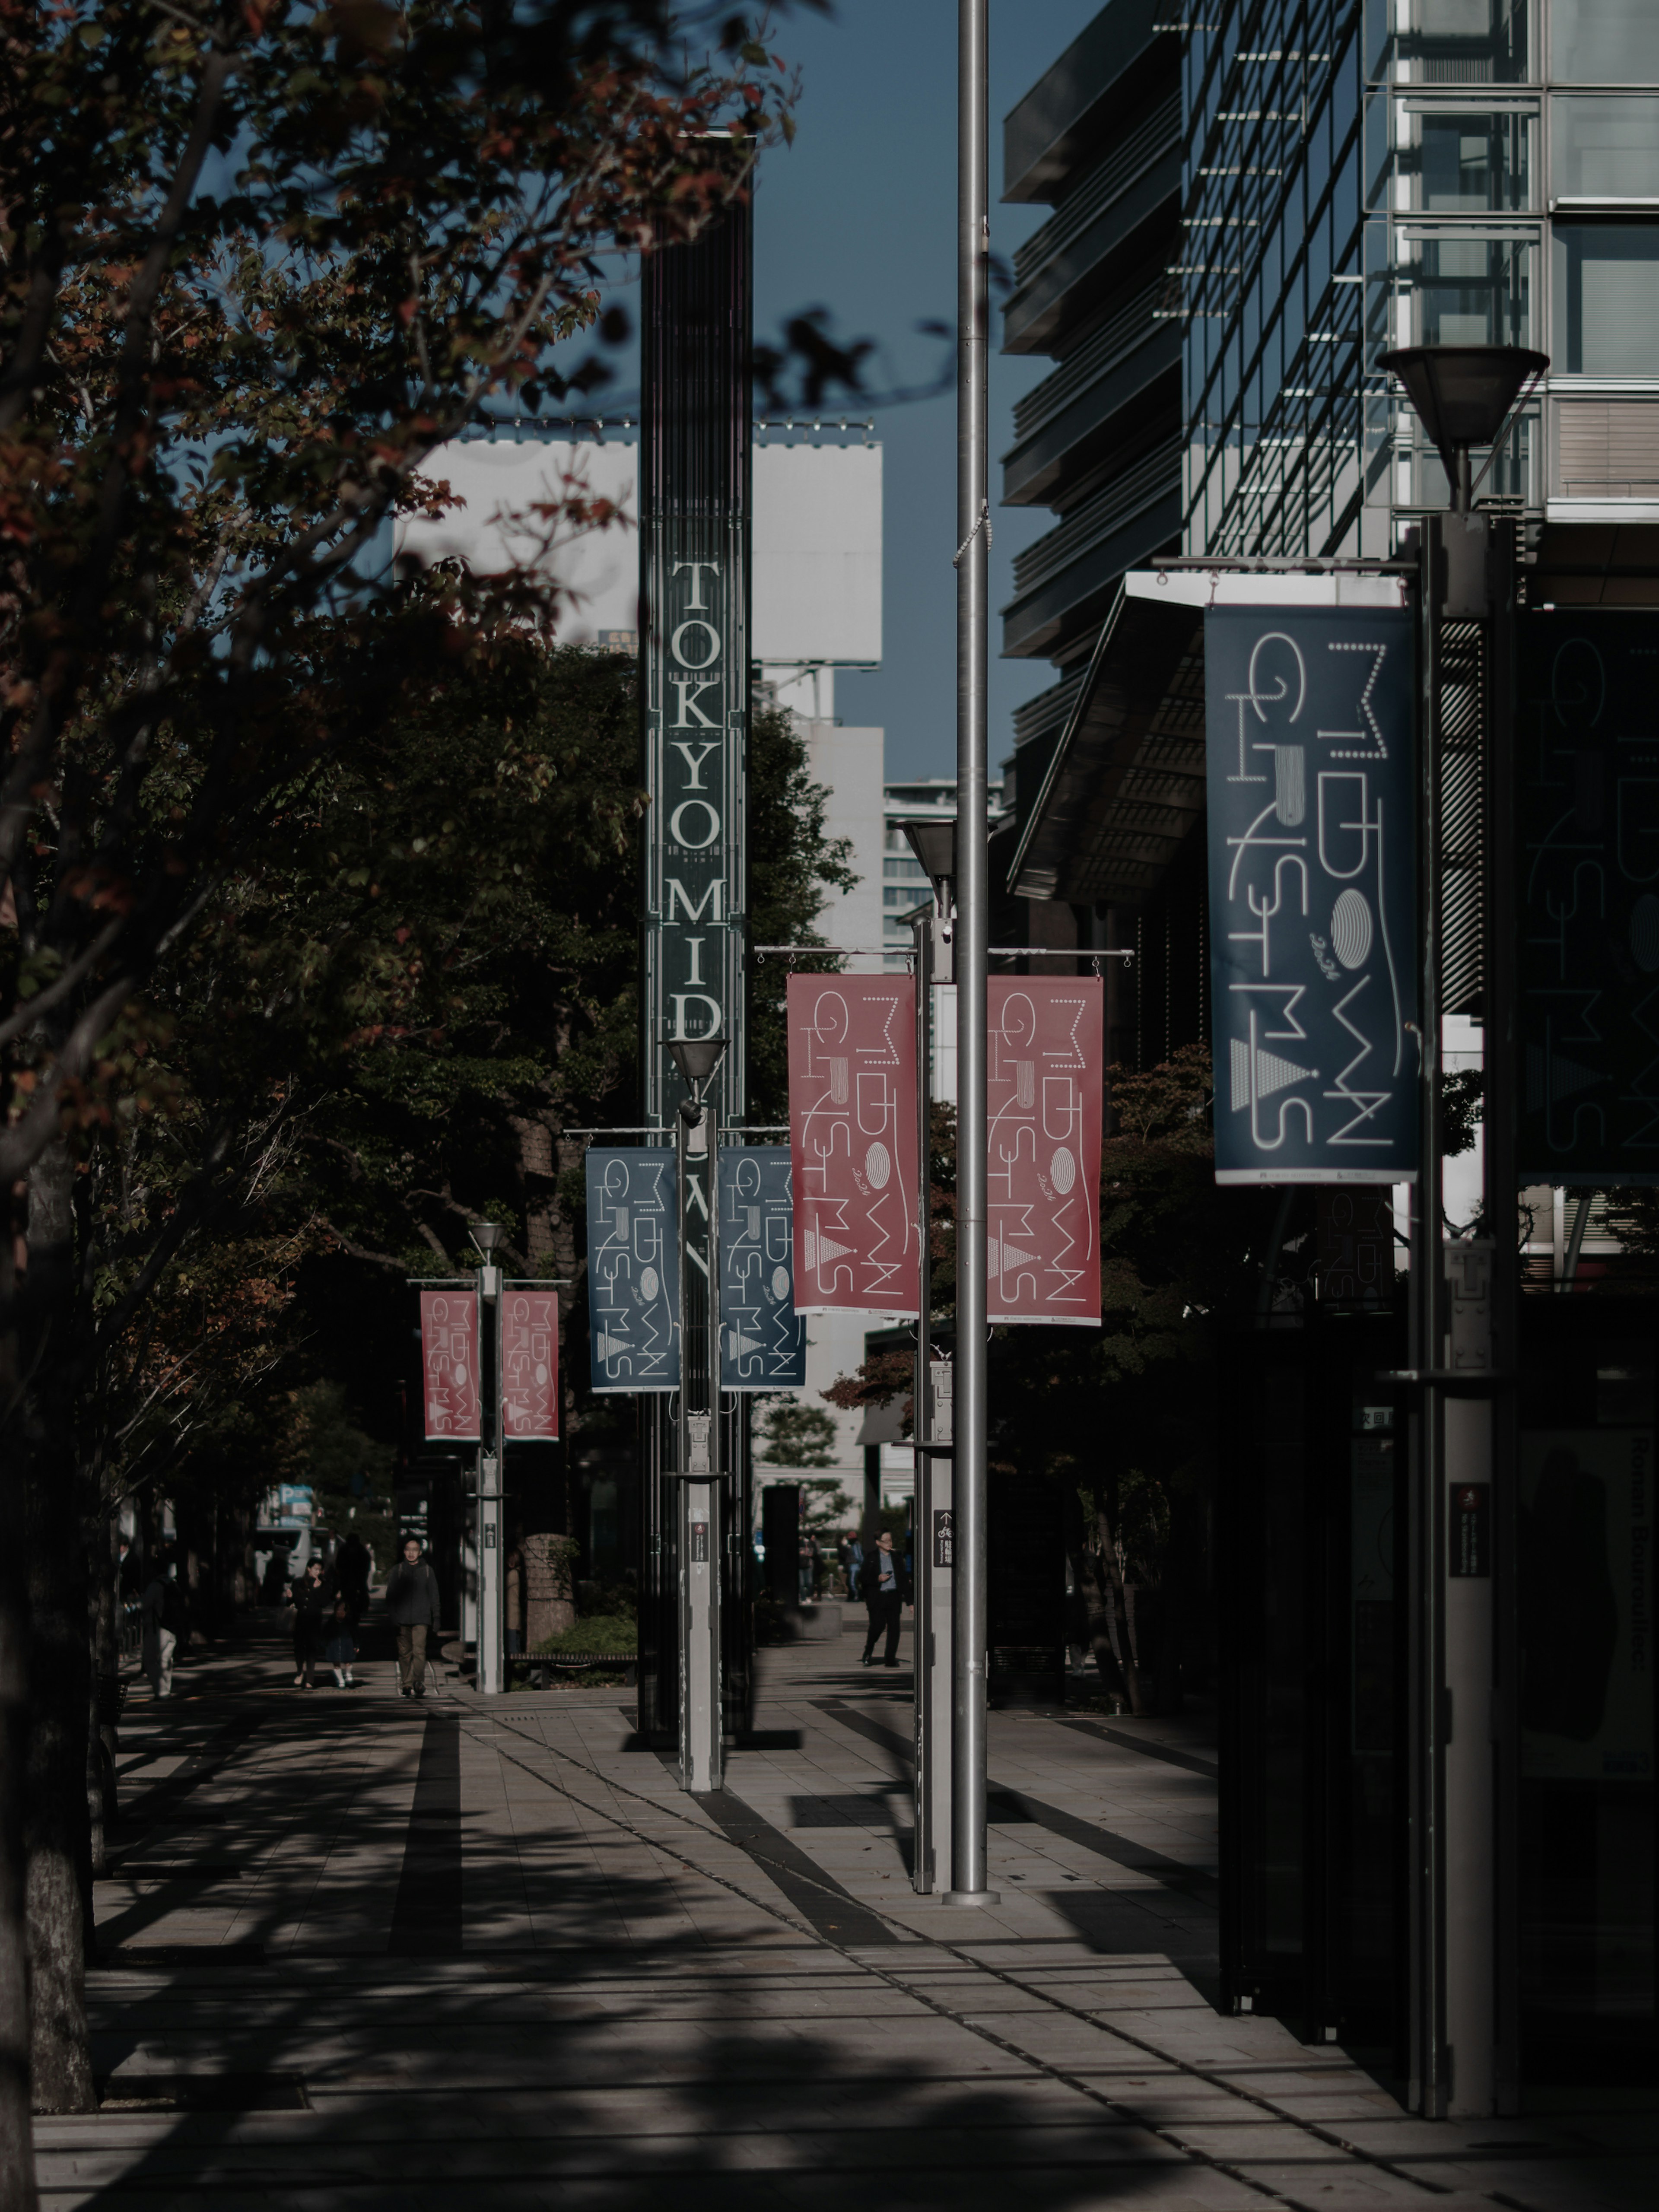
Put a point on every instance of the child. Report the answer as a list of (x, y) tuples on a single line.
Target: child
[(340, 1650)]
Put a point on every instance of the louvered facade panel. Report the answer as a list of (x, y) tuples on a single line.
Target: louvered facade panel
[(1607, 448)]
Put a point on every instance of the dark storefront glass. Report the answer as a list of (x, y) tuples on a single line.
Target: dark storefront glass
[(1586, 1778)]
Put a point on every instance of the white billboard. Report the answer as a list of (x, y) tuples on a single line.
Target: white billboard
[(816, 550)]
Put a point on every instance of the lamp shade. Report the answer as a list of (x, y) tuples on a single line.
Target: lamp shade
[(934, 841), (486, 1235), (1463, 393), (696, 1058)]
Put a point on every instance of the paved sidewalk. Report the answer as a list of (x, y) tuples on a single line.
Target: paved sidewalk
[(359, 1952)]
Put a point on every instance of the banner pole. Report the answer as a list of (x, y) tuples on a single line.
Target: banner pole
[(967, 1852)]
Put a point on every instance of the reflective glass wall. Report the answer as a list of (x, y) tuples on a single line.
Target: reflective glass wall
[(1419, 171)]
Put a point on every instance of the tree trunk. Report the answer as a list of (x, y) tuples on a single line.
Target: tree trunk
[(57, 1831), (17, 2191)]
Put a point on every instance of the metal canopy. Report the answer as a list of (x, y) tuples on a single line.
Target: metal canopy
[(1125, 784)]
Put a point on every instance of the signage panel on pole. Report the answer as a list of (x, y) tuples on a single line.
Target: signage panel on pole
[(1589, 899), (1045, 1071), (449, 1365), (529, 1366), (852, 1131), (633, 1269), (1310, 737), (763, 1337)]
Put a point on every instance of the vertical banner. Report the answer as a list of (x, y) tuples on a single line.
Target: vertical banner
[(852, 1131), (1045, 1075), (763, 1337), (1589, 756), (529, 1366), (633, 1272), (449, 1365), (694, 619), (1309, 722)]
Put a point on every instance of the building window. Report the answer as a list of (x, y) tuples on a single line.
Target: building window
[(1465, 41), (1605, 150), (1472, 291), (1473, 164), (1605, 41), (1607, 298)]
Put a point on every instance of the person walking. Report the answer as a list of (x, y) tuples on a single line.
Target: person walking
[(340, 1650), (887, 1593), (413, 1604), (162, 1612), (846, 1553), (351, 1572), (313, 1598)]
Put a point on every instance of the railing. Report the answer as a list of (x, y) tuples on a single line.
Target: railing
[(1125, 330)]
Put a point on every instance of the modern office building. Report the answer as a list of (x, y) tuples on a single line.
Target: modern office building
[(1333, 180), (1248, 210)]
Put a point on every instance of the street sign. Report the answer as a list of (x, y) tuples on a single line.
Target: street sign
[(1588, 755), (1044, 1087), (1309, 734), (449, 1365), (852, 1131), (633, 1269), (763, 1337)]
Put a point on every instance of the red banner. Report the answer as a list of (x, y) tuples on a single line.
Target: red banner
[(852, 1133), (1045, 1082), (529, 1366), (449, 1364)]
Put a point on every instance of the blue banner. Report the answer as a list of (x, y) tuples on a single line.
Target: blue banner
[(633, 1269), (763, 1337), (1588, 751), (1310, 719)]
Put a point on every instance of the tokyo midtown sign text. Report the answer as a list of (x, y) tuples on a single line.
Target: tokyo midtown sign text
[(696, 718)]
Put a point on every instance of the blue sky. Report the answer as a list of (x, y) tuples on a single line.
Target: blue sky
[(859, 218)]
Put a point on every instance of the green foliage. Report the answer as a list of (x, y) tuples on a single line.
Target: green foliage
[(603, 1632), (350, 1471), (824, 1506), (792, 862), (797, 1435)]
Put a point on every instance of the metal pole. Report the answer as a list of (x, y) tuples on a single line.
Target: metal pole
[(491, 1610), (972, 936), (701, 1746)]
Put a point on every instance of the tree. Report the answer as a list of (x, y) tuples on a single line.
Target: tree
[(260, 261), (795, 1435)]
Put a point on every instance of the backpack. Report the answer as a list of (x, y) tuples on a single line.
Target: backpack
[(175, 1612)]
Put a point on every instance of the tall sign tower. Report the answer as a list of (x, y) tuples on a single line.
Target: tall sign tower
[(695, 514)]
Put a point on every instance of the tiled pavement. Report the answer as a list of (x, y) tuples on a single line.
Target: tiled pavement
[(359, 1953)]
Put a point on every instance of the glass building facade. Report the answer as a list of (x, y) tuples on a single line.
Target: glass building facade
[(1414, 173), (1344, 179)]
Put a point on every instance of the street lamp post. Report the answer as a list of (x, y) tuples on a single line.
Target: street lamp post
[(935, 844), (491, 1661), (968, 1860), (699, 1470), (1463, 1297)]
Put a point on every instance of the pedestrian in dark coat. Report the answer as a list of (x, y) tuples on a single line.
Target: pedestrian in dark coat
[(413, 1602), (313, 1600), (886, 1585)]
